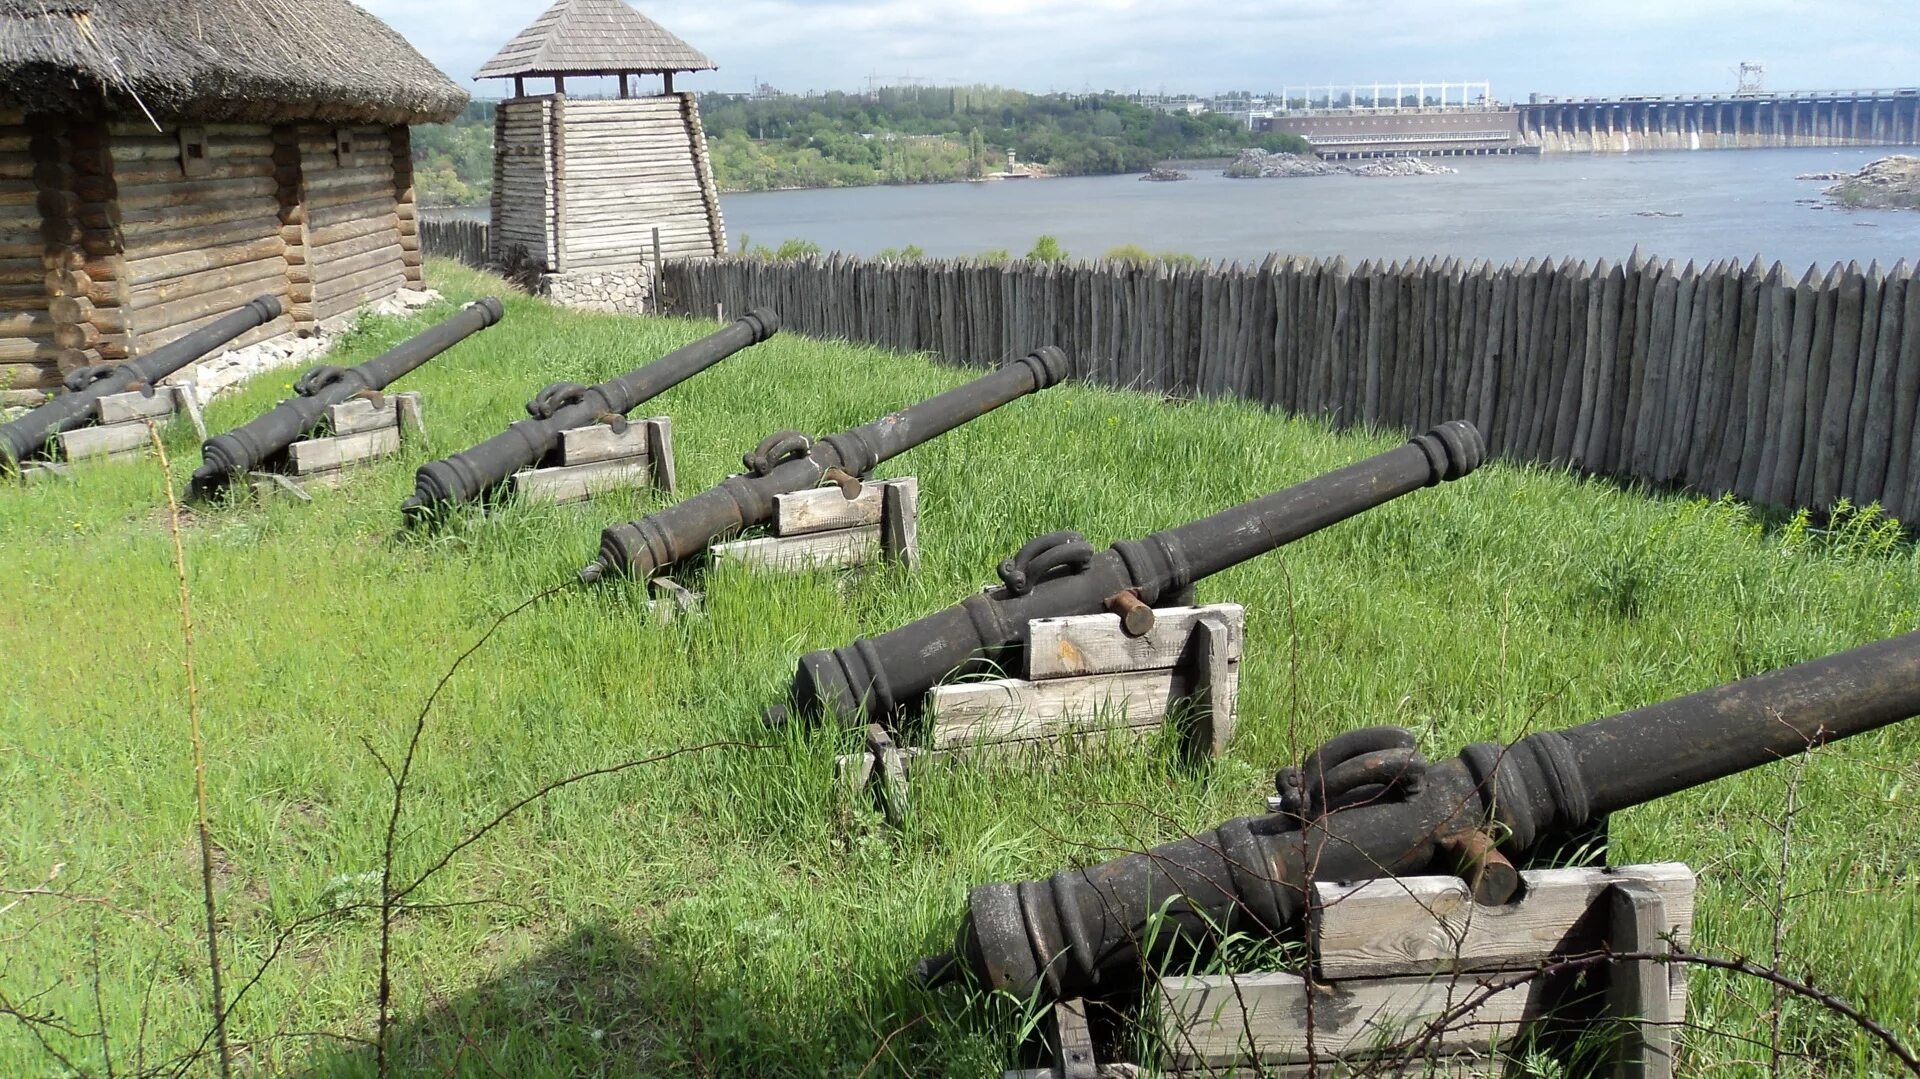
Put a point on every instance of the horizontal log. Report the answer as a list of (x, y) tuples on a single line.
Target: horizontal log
[(142, 271), (194, 308), (320, 218), (154, 338), (28, 349), (199, 193), (173, 289), (26, 323), (28, 376), (241, 219), (188, 239), (325, 256), (327, 272), (375, 287), (22, 271), (106, 188)]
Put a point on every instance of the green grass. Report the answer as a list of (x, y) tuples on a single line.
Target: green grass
[(714, 914)]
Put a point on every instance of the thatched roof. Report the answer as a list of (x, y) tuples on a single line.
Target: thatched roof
[(253, 60), (593, 37)]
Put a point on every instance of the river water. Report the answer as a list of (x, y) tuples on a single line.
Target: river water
[(1728, 203)]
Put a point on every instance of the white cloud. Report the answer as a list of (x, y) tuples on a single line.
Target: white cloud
[(1520, 45)]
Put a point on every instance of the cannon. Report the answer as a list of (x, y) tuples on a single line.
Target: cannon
[(788, 461), (245, 448), (80, 405), (1367, 805), (563, 406), (1058, 575)]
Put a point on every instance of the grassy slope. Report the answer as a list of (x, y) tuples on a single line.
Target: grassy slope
[(709, 914)]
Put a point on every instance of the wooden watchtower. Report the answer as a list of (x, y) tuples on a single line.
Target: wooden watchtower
[(580, 185)]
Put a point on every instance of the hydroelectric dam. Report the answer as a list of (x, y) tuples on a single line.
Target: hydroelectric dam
[(1351, 126)]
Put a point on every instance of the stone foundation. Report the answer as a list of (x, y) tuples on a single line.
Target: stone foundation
[(623, 289)]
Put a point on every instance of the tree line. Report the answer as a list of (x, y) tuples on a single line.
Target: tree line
[(895, 136)]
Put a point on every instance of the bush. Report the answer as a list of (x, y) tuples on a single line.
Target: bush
[(1046, 249)]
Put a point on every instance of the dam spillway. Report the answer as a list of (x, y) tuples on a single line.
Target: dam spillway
[(1731, 121), (1548, 124)]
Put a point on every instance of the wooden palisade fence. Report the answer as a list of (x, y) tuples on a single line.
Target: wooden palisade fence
[(1723, 378), (462, 241)]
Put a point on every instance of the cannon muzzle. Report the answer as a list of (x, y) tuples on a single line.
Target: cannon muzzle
[(80, 405), (1367, 805), (475, 473), (1059, 575), (253, 444), (788, 461)]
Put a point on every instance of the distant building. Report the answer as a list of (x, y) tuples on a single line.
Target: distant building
[(172, 160)]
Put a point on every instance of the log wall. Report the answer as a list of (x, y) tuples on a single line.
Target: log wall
[(35, 168), (198, 213), (1719, 378), (353, 223)]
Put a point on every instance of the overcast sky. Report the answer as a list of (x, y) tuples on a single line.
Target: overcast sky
[(1550, 46)]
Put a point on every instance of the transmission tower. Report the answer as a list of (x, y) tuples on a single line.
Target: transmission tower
[(1753, 76)]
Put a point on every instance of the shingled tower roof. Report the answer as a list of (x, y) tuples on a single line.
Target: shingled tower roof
[(594, 37)]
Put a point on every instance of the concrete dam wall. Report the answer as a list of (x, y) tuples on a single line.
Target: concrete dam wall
[(1723, 122)]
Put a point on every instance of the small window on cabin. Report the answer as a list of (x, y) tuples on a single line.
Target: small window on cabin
[(343, 146), (195, 159)]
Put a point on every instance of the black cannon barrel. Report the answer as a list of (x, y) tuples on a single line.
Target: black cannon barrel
[(788, 461), (564, 406), (1366, 805), (1059, 575), (253, 444), (80, 405)]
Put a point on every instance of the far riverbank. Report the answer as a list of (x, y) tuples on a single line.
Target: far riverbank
[(1727, 204)]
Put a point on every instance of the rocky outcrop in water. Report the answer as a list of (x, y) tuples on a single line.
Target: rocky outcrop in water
[(1258, 164), (1891, 183), (1162, 175), (1400, 166)]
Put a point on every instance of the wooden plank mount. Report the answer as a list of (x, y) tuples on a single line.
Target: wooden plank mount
[(615, 454), (1128, 671), (1394, 957), (849, 524), (365, 428), (121, 433)]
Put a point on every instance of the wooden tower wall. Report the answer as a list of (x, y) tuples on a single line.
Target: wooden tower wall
[(631, 166), (581, 185), (523, 190)]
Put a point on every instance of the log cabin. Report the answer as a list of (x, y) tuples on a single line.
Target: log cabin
[(580, 185), (163, 161)]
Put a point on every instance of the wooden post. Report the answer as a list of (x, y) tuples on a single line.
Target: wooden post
[(1639, 993)]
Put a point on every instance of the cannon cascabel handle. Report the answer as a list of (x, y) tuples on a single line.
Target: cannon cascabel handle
[(1044, 557), (775, 450)]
